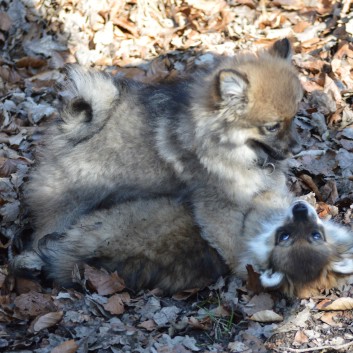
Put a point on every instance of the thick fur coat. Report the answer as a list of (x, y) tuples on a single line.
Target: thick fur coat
[(218, 138), (156, 244), (174, 184)]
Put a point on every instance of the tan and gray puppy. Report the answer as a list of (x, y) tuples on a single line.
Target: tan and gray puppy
[(220, 137), (156, 243)]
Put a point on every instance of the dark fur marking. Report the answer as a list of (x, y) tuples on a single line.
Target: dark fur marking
[(79, 105)]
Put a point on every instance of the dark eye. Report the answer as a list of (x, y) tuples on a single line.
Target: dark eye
[(284, 237), (273, 127), (316, 235)]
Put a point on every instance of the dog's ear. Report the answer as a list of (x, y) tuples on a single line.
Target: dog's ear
[(232, 85), (232, 92), (282, 49)]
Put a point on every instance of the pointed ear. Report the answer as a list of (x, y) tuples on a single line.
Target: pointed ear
[(282, 49), (232, 85)]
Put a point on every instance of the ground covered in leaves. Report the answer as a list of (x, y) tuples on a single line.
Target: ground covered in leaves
[(151, 40)]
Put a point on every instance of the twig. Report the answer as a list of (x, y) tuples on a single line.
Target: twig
[(346, 6), (304, 350)]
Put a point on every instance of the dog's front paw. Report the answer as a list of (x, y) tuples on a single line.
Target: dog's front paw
[(27, 263)]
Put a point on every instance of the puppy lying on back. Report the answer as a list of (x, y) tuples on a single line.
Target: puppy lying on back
[(156, 243)]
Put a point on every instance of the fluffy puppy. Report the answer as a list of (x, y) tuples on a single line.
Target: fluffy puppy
[(156, 243), (220, 137)]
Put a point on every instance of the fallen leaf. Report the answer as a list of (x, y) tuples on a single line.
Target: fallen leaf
[(166, 315), (103, 282), (200, 324), (25, 285), (220, 311), (9, 166), (116, 303), (33, 303), (239, 347), (46, 320), (266, 316), (148, 325), (301, 337), (9, 75), (260, 302), (253, 282), (328, 318), (5, 22), (66, 347), (345, 303), (31, 61), (185, 294)]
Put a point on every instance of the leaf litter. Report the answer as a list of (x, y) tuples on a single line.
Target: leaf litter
[(151, 40)]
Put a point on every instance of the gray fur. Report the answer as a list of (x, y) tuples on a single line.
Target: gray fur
[(104, 189), (208, 137), (156, 244)]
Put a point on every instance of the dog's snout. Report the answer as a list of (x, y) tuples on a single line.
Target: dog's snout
[(300, 211)]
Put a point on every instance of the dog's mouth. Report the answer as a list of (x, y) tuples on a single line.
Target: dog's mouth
[(266, 154)]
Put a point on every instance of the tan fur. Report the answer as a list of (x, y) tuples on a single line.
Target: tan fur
[(123, 151), (207, 138), (155, 243), (104, 190)]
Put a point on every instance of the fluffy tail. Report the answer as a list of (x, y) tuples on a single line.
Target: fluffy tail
[(90, 98)]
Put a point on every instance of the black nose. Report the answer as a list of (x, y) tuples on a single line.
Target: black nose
[(300, 211)]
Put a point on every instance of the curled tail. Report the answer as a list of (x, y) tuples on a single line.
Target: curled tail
[(89, 97)]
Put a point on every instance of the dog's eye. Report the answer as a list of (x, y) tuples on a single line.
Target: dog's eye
[(273, 127), (284, 237), (316, 236)]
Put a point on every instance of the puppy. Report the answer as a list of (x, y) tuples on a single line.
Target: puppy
[(156, 243)]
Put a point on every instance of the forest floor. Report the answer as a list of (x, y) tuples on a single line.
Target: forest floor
[(150, 40)]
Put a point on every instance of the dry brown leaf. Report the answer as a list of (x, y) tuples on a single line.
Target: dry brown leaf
[(116, 303), (328, 318), (148, 325), (9, 75), (9, 166), (34, 304), (346, 49), (207, 6), (253, 282), (203, 324), (335, 119), (46, 320), (266, 316), (5, 22), (310, 85), (301, 26), (25, 285), (290, 4), (220, 311), (66, 347), (332, 90), (345, 303), (31, 61), (262, 301), (103, 282), (301, 337)]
